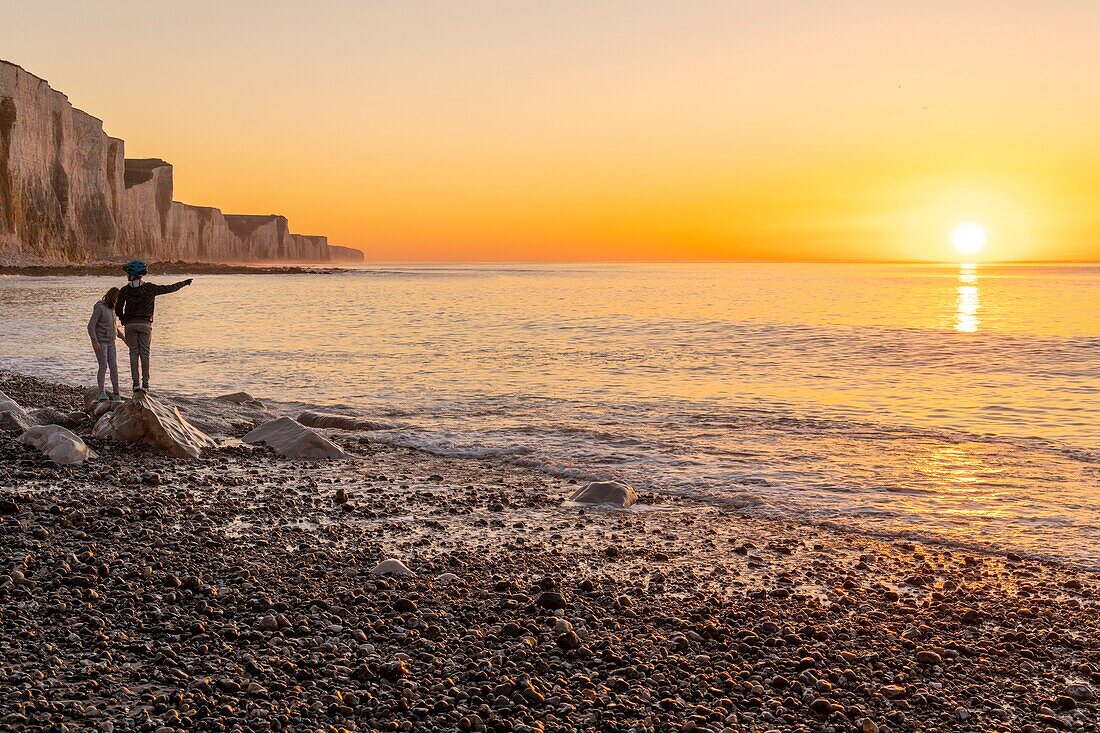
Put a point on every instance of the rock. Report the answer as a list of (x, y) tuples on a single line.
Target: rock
[(290, 439), (391, 567), (926, 656), (613, 493), (340, 422), (236, 398), (145, 419), (60, 445), (52, 416), (404, 605), (222, 417), (1080, 693), (268, 623), (447, 578), (821, 706), (569, 640), (14, 422), (13, 418), (551, 600)]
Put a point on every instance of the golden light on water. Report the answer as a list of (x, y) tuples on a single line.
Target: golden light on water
[(967, 302), (969, 238)]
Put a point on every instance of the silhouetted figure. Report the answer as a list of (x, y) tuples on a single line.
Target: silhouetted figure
[(135, 305)]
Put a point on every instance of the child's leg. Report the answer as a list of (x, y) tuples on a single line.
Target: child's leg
[(101, 357), (131, 343), (112, 362)]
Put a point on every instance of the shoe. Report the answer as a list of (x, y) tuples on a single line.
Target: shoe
[(137, 389), (102, 396), (116, 397), (145, 388)]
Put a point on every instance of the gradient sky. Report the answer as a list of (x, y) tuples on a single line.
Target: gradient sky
[(618, 130)]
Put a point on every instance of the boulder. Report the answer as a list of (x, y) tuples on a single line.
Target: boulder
[(223, 417), (340, 422), (391, 567), (51, 416), (612, 493), (59, 444), (145, 419), (99, 409), (236, 397), (14, 422), (13, 418), (291, 439)]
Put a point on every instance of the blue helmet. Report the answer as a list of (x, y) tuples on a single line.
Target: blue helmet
[(135, 268)]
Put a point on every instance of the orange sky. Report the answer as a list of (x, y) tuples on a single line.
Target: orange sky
[(613, 130)]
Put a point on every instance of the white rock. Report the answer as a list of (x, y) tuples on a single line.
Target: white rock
[(613, 493), (447, 578), (145, 419), (13, 418), (340, 422), (391, 567), (236, 397), (59, 444), (291, 439)]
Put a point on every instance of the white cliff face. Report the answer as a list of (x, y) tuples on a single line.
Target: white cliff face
[(68, 194), (337, 253), (60, 174)]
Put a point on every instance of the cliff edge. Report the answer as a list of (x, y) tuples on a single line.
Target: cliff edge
[(68, 194)]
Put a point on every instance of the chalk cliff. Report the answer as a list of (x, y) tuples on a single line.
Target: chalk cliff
[(68, 194), (344, 254)]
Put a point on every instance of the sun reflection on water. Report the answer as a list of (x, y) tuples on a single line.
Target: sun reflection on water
[(965, 485), (967, 303)]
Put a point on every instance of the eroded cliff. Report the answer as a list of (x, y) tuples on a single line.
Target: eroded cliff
[(68, 194)]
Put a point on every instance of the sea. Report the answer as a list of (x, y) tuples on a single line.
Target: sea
[(957, 404)]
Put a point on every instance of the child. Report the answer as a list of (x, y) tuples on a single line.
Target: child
[(103, 328), (134, 307)]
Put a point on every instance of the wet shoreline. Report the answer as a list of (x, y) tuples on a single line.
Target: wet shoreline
[(150, 593)]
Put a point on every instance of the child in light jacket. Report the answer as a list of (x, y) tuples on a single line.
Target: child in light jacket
[(103, 329)]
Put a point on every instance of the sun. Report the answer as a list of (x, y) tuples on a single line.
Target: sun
[(968, 238)]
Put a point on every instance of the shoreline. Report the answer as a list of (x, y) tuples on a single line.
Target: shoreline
[(238, 587), (168, 268)]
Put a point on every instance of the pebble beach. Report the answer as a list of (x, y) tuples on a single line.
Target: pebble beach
[(243, 591)]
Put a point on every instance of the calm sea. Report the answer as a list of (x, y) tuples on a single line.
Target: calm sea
[(958, 403)]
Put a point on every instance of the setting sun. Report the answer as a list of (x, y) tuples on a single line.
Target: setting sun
[(968, 238)]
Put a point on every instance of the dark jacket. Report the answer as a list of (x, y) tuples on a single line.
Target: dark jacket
[(136, 304)]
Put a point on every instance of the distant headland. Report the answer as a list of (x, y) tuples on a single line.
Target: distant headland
[(68, 194)]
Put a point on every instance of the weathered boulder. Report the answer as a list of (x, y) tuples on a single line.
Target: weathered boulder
[(13, 418), (59, 444), (392, 567), (46, 416), (291, 439), (613, 493), (222, 417), (145, 419), (236, 398), (340, 422)]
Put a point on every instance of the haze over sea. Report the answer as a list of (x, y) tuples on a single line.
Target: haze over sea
[(933, 401)]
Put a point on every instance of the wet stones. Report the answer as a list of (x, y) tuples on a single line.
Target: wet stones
[(551, 600), (928, 657)]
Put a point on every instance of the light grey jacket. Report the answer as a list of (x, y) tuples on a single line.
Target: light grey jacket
[(102, 325)]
